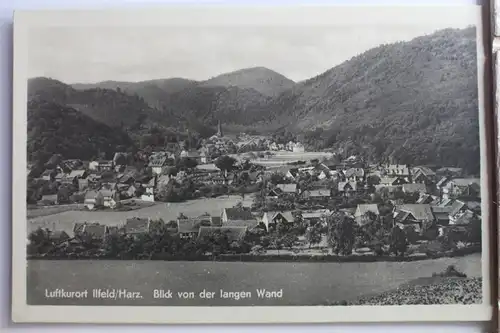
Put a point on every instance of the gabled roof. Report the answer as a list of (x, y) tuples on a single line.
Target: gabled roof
[(294, 172), (465, 181), (315, 214), (192, 225), (463, 218), (234, 233), (342, 185), (442, 181), (388, 180), (157, 161), (236, 213), (421, 212), (456, 207), (362, 209), (424, 170), (76, 173), (287, 215), (136, 225), (96, 231), (287, 188)]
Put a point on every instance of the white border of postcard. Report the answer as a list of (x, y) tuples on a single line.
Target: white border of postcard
[(221, 16)]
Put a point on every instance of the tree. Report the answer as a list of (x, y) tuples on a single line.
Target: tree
[(474, 230), (225, 163), (398, 241), (340, 233), (313, 234)]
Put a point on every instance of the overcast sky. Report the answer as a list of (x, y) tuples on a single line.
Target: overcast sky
[(92, 54)]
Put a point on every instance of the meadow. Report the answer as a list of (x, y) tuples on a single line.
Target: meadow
[(302, 283), (166, 211)]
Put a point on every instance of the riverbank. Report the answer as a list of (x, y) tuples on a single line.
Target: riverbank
[(270, 258)]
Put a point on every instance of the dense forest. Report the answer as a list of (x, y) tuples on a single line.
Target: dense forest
[(56, 129), (412, 102)]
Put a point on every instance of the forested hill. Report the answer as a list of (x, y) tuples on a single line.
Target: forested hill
[(264, 80), (56, 129), (111, 107), (415, 101)]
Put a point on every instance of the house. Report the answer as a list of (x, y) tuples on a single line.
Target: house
[(442, 182), (298, 148), (462, 187), (188, 228), (315, 216), (205, 157), (427, 199), (94, 230), (347, 188), (354, 174), (449, 172), (191, 154), (158, 164), (463, 218), (413, 214), (48, 175), (273, 193), (230, 216), (441, 215), (272, 219), (392, 181), (292, 174), (135, 226), (58, 236), (360, 216), (400, 170), (101, 165), (287, 188), (93, 200), (414, 188), (233, 233), (317, 194), (110, 197), (73, 177), (423, 175), (48, 200)]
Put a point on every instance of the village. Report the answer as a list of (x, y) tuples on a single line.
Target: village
[(298, 205)]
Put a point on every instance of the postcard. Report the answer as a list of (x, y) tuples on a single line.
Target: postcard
[(272, 164)]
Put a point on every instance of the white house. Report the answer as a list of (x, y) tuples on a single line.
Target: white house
[(298, 148)]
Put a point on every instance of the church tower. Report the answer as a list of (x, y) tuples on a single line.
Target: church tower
[(219, 130)]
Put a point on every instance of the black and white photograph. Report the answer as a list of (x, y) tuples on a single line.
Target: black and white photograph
[(324, 159)]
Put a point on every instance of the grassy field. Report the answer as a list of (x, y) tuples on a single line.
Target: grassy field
[(166, 211), (283, 157), (302, 283)]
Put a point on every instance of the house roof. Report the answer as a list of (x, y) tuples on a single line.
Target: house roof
[(287, 215), (192, 225), (424, 170), (421, 212), (97, 231), (48, 172), (294, 172), (342, 185), (136, 225), (58, 235), (157, 160), (78, 227), (456, 207), (319, 193), (236, 213), (91, 194), (413, 188), (442, 181), (453, 170), (465, 181), (362, 209), (463, 218), (388, 180), (216, 221), (287, 188), (234, 233), (107, 193), (76, 173), (315, 214)]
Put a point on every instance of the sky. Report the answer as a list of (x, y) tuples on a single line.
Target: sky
[(87, 54)]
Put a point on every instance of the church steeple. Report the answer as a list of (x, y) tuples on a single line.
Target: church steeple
[(219, 130)]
